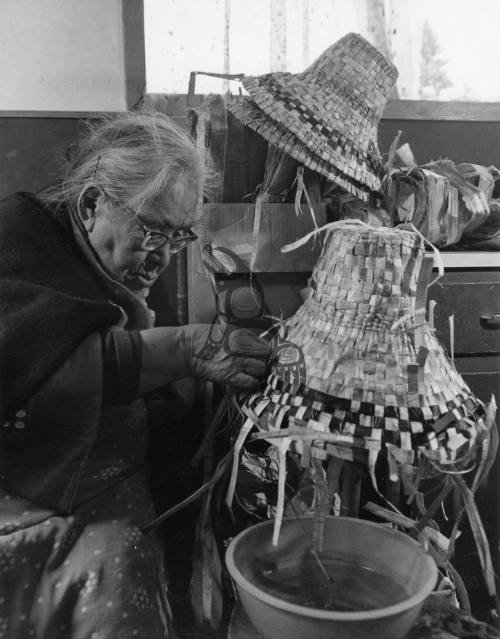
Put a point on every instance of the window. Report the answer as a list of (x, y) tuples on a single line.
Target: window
[(444, 49)]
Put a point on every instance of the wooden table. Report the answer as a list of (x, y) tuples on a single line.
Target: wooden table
[(437, 620)]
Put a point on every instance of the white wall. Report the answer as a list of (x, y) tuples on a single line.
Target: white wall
[(71, 55)]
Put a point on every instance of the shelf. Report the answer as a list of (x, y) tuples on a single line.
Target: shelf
[(470, 259)]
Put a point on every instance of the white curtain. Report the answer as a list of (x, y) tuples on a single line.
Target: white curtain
[(443, 49)]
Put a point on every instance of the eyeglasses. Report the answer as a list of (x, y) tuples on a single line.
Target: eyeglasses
[(153, 240), (177, 240)]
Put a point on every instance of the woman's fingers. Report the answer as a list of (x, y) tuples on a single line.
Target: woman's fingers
[(249, 372), (252, 366), (242, 381), (243, 341), (240, 359)]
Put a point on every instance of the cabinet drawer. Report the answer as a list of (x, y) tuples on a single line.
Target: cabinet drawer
[(467, 296), (482, 376)]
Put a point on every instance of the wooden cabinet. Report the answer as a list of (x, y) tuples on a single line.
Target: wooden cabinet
[(470, 292), (471, 296)]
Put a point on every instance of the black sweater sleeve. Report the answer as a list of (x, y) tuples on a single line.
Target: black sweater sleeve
[(121, 367)]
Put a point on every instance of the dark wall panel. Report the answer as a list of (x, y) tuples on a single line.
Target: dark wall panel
[(29, 149), (477, 142), (28, 145)]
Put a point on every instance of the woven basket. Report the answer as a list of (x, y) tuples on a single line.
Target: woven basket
[(375, 374)]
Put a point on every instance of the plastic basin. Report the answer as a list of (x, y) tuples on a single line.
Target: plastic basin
[(379, 580)]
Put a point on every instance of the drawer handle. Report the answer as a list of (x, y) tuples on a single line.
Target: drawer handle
[(490, 320)]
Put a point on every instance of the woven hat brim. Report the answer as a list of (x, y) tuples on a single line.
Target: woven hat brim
[(367, 426), (347, 138), (276, 134)]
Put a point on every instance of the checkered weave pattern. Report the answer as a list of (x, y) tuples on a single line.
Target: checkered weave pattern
[(327, 116), (277, 135), (376, 376)]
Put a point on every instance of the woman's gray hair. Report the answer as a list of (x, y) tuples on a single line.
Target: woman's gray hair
[(134, 158)]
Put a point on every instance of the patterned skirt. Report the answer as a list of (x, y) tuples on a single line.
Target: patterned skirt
[(91, 575)]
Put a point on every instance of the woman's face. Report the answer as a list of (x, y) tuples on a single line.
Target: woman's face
[(115, 234)]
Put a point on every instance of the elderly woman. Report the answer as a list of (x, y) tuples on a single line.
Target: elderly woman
[(78, 354)]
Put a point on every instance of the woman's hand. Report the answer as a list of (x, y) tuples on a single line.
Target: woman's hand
[(226, 355)]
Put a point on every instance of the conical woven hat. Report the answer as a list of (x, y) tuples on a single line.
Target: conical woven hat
[(328, 114), (277, 135), (374, 371)]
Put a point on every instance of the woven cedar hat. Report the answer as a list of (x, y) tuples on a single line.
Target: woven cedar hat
[(375, 374), (327, 116)]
